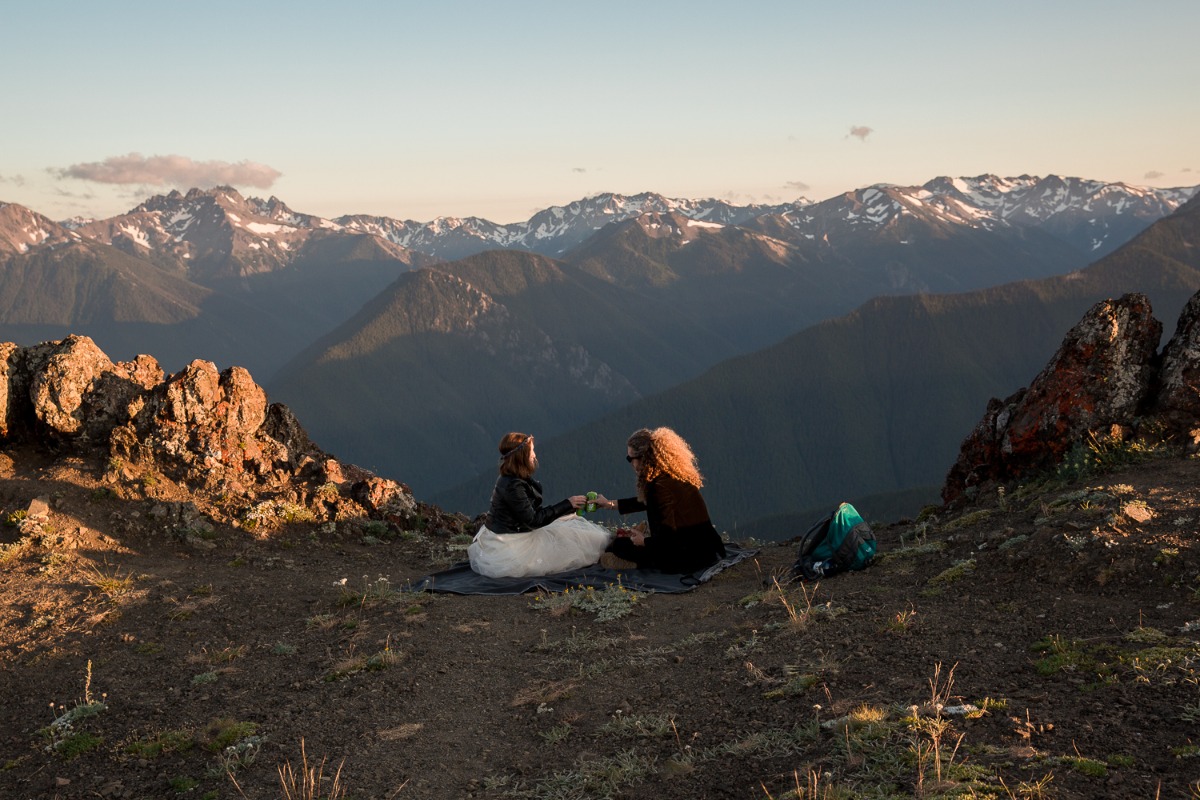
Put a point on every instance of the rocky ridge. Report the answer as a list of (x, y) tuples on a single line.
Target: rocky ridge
[(1107, 384), (208, 441)]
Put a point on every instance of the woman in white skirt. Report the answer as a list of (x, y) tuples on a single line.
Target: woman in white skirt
[(521, 537)]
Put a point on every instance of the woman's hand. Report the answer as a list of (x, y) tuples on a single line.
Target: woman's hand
[(603, 502), (577, 501), (636, 533)]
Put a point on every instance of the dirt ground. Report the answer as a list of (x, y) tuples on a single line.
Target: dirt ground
[(1044, 642)]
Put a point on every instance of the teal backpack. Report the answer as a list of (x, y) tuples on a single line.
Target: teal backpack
[(838, 542)]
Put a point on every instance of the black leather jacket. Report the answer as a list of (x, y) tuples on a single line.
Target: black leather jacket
[(517, 506)]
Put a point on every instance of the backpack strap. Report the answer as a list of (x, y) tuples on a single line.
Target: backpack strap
[(815, 535), (845, 553)]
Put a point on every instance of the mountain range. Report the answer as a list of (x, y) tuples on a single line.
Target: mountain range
[(1093, 216), (411, 347)]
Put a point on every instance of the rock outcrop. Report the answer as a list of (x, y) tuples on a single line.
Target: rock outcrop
[(1107, 381), (212, 433), (1178, 400)]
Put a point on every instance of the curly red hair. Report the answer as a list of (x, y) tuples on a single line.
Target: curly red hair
[(662, 451)]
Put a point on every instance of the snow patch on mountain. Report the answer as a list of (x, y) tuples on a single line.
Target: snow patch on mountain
[(23, 230), (232, 234), (1066, 206)]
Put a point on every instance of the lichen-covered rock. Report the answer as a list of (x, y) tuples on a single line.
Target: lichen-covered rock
[(1102, 376), (209, 422), (60, 388), (211, 431), (69, 390), (384, 497), (1178, 400), (8, 355), (16, 371)]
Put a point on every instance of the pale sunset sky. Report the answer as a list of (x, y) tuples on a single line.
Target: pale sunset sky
[(416, 110)]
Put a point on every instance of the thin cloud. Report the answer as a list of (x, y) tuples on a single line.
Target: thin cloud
[(578, 169), (1187, 169), (15, 180), (1153, 175), (861, 132), (179, 171), (58, 192), (799, 186)]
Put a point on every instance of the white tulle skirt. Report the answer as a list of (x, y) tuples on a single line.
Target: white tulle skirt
[(567, 543)]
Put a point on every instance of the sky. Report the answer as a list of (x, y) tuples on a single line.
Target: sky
[(418, 110)]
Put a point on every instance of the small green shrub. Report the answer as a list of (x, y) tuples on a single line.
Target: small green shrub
[(1097, 455), (1165, 556), (77, 743), (608, 604), (355, 664), (1068, 655), (62, 735), (556, 734), (272, 513), (796, 685), (375, 591), (639, 726), (158, 744), (1086, 766), (378, 528), (1013, 541), (955, 573), (182, 784), (912, 551), (223, 732), (111, 583), (927, 512), (968, 519), (1146, 635), (13, 551)]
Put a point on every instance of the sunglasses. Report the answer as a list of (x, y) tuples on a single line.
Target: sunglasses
[(631, 459)]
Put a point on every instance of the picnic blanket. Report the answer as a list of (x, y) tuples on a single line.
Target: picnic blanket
[(461, 579)]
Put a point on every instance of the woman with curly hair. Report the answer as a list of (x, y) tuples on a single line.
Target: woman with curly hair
[(521, 537), (681, 537)]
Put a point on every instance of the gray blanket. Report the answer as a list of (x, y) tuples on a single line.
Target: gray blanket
[(461, 579)]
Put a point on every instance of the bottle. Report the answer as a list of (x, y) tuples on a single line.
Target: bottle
[(589, 506)]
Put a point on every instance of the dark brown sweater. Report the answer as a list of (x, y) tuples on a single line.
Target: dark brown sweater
[(681, 537)]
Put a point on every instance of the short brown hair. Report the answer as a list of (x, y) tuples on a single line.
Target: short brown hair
[(516, 457)]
